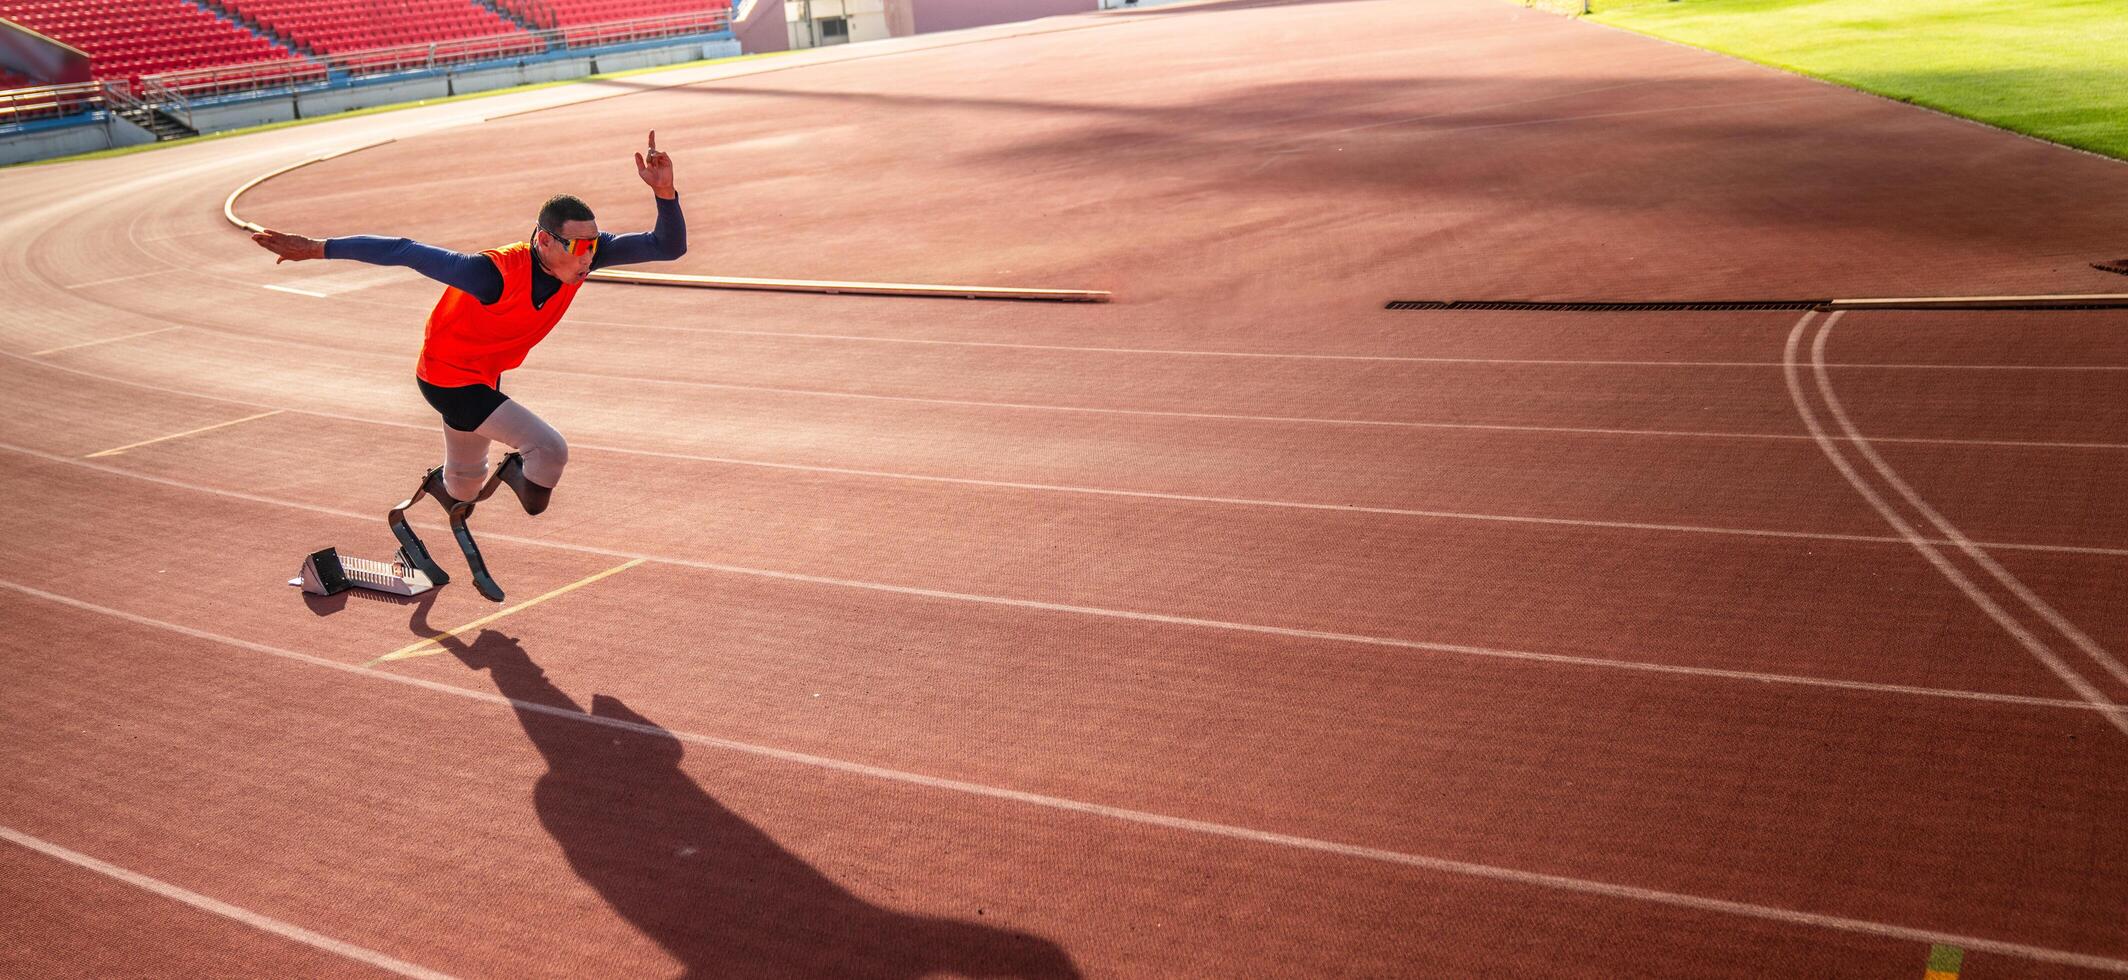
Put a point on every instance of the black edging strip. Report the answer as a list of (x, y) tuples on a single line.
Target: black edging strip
[(1745, 306), (1576, 306)]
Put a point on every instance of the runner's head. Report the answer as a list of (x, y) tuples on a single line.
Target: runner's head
[(567, 237)]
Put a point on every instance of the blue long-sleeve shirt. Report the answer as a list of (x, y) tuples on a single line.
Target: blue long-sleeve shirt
[(478, 277)]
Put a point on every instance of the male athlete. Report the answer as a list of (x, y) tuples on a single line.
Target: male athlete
[(499, 303)]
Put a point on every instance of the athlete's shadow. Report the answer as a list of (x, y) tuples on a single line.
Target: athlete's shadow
[(714, 890)]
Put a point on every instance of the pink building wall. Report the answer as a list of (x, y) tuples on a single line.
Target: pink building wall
[(761, 28)]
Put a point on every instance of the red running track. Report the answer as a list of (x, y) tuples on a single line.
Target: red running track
[(1235, 628)]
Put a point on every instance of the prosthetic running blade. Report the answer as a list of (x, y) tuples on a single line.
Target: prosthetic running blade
[(410, 545), (481, 579), (417, 554)]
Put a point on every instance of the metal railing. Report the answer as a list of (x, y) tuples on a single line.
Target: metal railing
[(199, 83), (24, 105)]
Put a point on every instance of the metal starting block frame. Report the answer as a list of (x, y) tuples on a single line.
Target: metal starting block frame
[(327, 573)]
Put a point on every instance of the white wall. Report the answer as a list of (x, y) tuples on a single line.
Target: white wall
[(250, 112), (45, 144)]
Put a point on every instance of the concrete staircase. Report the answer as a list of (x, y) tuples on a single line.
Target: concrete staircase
[(164, 125), (509, 15)]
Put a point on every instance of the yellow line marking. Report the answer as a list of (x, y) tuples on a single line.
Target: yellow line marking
[(431, 646), (181, 435), (106, 340)]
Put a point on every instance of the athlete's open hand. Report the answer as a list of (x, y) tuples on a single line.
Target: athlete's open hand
[(655, 167), (289, 248)]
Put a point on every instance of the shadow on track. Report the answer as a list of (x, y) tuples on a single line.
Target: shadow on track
[(714, 890)]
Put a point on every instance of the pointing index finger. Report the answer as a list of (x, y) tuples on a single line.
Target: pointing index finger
[(653, 141)]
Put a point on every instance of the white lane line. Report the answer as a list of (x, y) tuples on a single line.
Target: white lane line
[(291, 289), (1358, 639), (2017, 587), (1081, 409), (1145, 494), (1234, 417), (223, 909), (2032, 644), (106, 340), (1452, 515), (180, 435), (1383, 358), (241, 338), (1469, 869), (112, 279)]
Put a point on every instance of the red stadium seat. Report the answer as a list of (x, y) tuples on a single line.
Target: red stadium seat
[(577, 13), (334, 26), (128, 38)]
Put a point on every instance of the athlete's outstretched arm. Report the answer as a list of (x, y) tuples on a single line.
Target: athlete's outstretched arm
[(666, 242), (474, 274)]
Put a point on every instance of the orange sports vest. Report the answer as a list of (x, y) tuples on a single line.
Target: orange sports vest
[(467, 343)]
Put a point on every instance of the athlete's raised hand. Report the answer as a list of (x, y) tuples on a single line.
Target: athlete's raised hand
[(655, 167), (289, 248)]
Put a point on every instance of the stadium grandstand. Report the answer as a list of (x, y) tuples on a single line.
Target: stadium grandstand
[(87, 75), (126, 39), (342, 26), (577, 13), (124, 71)]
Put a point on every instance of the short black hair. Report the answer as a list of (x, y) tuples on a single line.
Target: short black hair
[(562, 208)]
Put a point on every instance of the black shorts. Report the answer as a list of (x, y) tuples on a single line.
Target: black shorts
[(463, 408)]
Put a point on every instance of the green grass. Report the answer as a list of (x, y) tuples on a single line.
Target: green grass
[(2055, 69), (351, 113)]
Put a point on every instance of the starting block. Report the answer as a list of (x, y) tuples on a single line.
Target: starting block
[(327, 573)]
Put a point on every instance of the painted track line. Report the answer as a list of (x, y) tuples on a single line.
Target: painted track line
[(1212, 416), (181, 435), (1129, 615), (2039, 650), (1298, 356), (1944, 527), (106, 340), (1120, 492), (224, 909), (276, 287), (434, 644), (1450, 515), (1515, 876), (111, 279)]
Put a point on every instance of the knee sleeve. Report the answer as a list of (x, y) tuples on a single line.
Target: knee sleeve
[(465, 482), (544, 460)]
